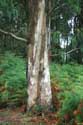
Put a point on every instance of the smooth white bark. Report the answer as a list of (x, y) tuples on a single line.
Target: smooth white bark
[(38, 68)]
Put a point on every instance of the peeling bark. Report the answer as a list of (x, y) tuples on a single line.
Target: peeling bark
[(39, 89)]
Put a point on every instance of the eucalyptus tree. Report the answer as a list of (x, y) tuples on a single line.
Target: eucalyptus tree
[(39, 88)]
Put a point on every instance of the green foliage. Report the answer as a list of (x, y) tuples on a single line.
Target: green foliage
[(68, 75), (69, 78), (13, 18), (10, 13), (74, 4), (12, 79), (69, 103)]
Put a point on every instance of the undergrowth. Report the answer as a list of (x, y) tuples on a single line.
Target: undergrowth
[(67, 86), (69, 79), (12, 79)]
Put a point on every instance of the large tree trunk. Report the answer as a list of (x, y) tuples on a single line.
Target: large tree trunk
[(39, 88)]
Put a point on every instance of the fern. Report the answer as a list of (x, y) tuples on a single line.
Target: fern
[(13, 78)]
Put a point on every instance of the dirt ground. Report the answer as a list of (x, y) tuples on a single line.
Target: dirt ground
[(16, 117)]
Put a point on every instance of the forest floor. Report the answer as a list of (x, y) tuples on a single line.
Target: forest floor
[(16, 117)]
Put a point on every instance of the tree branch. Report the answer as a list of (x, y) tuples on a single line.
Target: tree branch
[(65, 53), (13, 35), (54, 8), (72, 51)]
